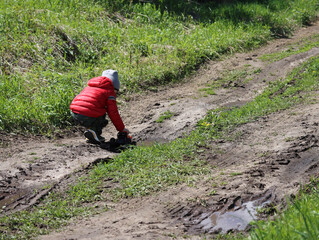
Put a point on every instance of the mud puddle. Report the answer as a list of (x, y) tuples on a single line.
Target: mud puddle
[(223, 215), (7, 199), (237, 219)]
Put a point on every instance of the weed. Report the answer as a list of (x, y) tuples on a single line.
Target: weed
[(208, 91), (302, 46), (289, 139), (212, 193), (263, 154), (235, 174), (166, 115), (214, 185), (47, 186)]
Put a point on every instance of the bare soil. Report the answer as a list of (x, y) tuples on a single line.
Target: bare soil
[(268, 161)]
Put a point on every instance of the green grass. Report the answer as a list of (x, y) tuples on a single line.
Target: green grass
[(144, 170), (280, 95), (166, 115), (50, 48), (229, 79), (303, 45), (300, 220), (207, 91)]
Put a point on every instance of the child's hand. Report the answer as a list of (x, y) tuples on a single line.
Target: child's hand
[(126, 131)]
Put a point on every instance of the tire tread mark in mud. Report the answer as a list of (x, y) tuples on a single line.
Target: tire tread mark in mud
[(303, 152), (15, 198)]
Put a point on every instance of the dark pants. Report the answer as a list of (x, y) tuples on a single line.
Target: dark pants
[(96, 124)]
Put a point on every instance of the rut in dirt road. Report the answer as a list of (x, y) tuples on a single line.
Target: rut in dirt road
[(266, 175), (270, 161)]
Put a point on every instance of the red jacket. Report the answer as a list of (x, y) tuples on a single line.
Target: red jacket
[(97, 99)]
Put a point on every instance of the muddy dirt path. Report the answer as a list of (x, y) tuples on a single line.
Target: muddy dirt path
[(271, 158)]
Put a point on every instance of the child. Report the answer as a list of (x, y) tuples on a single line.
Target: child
[(89, 108)]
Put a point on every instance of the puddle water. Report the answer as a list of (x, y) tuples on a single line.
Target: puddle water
[(236, 219), (7, 199)]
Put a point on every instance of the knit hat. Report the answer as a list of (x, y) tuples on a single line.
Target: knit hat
[(113, 76)]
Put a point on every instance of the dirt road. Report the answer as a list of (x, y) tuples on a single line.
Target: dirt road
[(272, 157)]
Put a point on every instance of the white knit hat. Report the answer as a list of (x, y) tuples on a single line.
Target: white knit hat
[(113, 76)]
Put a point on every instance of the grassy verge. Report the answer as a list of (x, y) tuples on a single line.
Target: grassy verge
[(233, 78), (303, 45), (298, 221), (143, 170), (280, 95), (238, 77), (49, 49)]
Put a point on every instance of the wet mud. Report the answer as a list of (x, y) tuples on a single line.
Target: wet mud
[(268, 160), (263, 187), (36, 166), (232, 217)]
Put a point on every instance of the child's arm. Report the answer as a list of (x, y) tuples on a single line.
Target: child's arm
[(113, 114)]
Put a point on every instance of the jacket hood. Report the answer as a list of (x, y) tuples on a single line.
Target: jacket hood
[(113, 76), (101, 82)]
